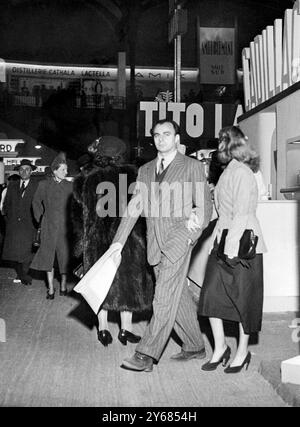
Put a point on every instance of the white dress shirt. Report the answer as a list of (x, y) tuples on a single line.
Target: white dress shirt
[(168, 158), (26, 182)]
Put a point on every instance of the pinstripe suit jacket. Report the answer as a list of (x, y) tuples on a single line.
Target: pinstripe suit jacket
[(166, 211)]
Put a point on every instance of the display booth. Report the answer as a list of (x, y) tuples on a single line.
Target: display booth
[(271, 67)]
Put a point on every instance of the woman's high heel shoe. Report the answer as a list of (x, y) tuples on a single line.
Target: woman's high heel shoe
[(104, 336), (211, 366), (125, 336), (236, 369), (50, 296), (63, 292)]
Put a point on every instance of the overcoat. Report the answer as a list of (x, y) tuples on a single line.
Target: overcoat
[(132, 288), (51, 204), (20, 224)]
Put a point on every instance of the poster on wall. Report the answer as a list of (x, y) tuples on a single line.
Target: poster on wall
[(217, 55)]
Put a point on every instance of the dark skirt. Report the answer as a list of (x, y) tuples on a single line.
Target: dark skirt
[(234, 294)]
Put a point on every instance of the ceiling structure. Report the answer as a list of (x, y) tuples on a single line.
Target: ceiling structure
[(118, 29)]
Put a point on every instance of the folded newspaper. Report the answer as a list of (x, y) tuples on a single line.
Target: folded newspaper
[(95, 284)]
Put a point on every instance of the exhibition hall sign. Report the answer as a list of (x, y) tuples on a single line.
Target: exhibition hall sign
[(195, 120), (217, 55), (271, 64)]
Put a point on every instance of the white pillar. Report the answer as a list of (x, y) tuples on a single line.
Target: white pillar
[(2, 171), (122, 74), (2, 330)]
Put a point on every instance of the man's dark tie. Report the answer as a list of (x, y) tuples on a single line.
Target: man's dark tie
[(161, 167), (22, 188)]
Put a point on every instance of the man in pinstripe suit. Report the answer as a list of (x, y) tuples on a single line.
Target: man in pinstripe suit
[(175, 219)]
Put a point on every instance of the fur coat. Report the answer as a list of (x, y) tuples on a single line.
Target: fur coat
[(132, 288)]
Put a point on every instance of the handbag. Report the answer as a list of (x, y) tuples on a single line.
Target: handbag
[(247, 247), (78, 271), (37, 238)]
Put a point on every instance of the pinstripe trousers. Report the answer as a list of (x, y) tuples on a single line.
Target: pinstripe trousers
[(173, 307)]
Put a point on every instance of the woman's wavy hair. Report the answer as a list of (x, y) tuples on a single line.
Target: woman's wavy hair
[(233, 144)]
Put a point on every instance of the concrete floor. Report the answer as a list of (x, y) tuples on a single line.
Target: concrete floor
[(51, 358)]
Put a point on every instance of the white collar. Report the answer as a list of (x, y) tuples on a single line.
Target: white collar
[(168, 158), (26, 182)]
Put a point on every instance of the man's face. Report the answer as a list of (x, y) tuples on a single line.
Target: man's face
[(25, 172), (165, 139)]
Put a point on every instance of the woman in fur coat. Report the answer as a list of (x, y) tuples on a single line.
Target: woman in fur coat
[(132, 288)]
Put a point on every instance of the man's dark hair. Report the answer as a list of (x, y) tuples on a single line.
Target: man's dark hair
[(163, 121)]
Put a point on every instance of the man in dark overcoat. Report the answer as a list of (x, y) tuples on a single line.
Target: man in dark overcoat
[(19, 222)]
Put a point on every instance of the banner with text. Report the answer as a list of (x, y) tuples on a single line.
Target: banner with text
[(217, 55), (196, 121)]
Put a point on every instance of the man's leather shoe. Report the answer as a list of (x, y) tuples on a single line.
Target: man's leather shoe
[(26, 282), (138, 362), (188, 355)]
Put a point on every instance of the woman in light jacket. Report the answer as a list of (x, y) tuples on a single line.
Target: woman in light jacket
[(233, 288)]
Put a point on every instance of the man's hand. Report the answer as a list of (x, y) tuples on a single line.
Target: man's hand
[(114, 252), (114, 247), (193, 222)]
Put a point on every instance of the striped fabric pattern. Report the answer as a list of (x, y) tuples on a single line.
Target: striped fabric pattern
[(173, 307), (169, 245), (168, 235)]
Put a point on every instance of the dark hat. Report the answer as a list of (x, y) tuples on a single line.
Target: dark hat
[(83, 160), (25, 162)]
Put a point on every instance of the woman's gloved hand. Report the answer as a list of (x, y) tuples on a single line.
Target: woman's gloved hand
[(233, 262)]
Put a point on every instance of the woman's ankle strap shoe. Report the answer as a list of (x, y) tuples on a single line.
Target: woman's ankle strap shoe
[(104, 336), (236, 369), (125, 336), (211, 366), (50, 296)]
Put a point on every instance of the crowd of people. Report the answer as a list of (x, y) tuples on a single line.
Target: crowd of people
[(156, 248)]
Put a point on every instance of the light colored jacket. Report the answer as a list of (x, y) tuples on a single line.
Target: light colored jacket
[(167, 232), (236, 197)]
